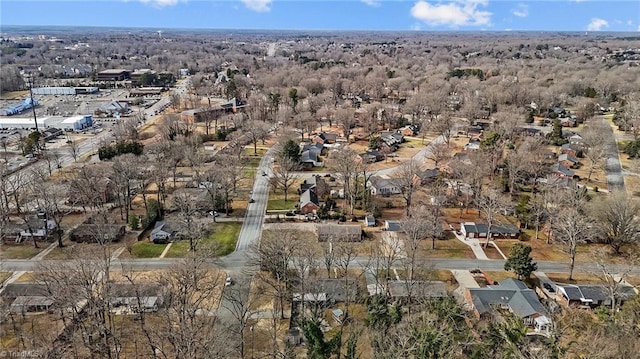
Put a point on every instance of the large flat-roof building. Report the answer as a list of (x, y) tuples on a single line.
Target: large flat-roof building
[(64, 90), (113, 75), (76, 123), (23, 123)]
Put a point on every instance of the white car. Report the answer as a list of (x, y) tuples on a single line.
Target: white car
[(228, 282)]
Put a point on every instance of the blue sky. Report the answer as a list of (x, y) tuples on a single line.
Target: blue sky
[(550, 15)]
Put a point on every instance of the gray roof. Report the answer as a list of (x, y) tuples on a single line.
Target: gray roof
[(522, 301), (334, 289), (307, 197), (14, 290), (562, 169), (596, 293), (505, 229), (382, 182), (339, 229), (393, 226), (309, 156), (419, 289)]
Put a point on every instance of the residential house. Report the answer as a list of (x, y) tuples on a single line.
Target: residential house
[(309, 202), (314, 146), (339, 232), (384, 186), (163, 232), (102, 233), (426, 176), (571, 149), (475, 132), (498, 231), (325, 138), (473, 145), (315, 183), (409, 130), (392, 140), (561, 171), (568, 160), (310, 159), (568, 122), (511, 295), (31, 304), (369, 221), (371, 156), (26, 297), (334, 290), (591, 296), (417, 289), (576, 139), (127, 298), (200, 197), (392, 226)]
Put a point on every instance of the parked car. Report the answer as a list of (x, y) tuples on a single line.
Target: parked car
[(251, 200), (228, 281)]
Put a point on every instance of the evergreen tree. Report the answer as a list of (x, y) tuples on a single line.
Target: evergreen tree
[(520, 261)]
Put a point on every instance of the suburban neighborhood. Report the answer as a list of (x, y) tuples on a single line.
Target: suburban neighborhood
[(320, 197)]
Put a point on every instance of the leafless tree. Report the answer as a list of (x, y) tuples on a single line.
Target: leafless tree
[(439, 152), (284, 173), (342, 164), (274, 255), (490, 203), (617, 217), (407, 183), (571, 228), (255, 131), (596, 143)]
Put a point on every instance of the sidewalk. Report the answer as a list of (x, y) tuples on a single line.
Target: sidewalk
[(474, 243)]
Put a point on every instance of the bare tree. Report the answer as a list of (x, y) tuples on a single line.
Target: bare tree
[(284, 173), (439, 152), (595, 140), (342, 165), (416, 227), (617, 217), (571, 228), (255, 131), (407, 183), (490, 203)]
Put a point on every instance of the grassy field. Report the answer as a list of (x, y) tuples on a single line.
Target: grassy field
[(144, 249), (223, 240), (447, 248), (276, 202), (23, 250)]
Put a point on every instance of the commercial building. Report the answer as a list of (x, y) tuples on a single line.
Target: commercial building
[(23, 123), (64, 90), (76, 123), (113, 75)]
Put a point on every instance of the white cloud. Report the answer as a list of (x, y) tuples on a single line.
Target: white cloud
[(455, 13), (162, 3), (522, 10), (258, 5), (597, 24), (373, 3)]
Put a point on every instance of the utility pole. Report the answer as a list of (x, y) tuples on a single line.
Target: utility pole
[(33, 101)]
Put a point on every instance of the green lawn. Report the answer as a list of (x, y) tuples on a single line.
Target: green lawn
[(147, 249), (276, 203), (23, 250), (223, 239)]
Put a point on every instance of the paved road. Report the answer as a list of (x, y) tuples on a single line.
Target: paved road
[(615, 179), (238, 264)]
